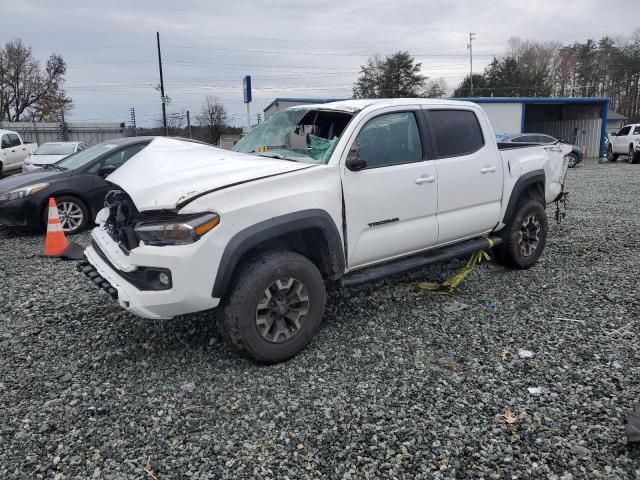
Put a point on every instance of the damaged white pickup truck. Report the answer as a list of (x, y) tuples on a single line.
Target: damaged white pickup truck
[(350, 191)]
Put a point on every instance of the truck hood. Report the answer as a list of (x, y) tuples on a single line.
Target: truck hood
[(169, 173)]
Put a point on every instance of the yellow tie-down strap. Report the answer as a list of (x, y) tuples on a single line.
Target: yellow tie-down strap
[(450, 285)]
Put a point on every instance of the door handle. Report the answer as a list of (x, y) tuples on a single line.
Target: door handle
[(425, 179), (488, 169)]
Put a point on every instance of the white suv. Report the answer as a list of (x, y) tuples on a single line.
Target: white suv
[(347, 192), (625, 142)]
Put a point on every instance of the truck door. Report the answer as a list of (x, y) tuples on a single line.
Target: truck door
[(620, 141), (470, 174), (5, 150), (18, 152), (391, 202)]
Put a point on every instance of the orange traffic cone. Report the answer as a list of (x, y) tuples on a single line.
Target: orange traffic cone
[(55, 242)]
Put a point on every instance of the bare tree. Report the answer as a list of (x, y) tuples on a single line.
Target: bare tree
[(213, 117), (28, 90), (436, 88), (175, 124)]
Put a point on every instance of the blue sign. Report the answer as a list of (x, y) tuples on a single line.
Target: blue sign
[(246, 88)]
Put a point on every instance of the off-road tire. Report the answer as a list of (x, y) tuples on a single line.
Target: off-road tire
[(509, 253), (238, 322), (612, 157)]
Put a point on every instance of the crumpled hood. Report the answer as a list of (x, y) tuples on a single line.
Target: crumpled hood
[(168, 173)]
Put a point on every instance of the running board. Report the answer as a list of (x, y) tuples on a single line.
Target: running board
[(373, 274)]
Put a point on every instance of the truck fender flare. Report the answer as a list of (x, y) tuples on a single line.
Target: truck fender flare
[(251, 237), (524, 182)]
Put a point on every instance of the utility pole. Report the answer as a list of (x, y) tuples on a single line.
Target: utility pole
[(189, 123), (472, 36), (164, 107)]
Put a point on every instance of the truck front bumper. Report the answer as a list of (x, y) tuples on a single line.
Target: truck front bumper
[(111, 269)]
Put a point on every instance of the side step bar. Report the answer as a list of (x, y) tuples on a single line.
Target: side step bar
[(373, 274)]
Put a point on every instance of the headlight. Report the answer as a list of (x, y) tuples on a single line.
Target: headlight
[(179, 231), (22, 192)]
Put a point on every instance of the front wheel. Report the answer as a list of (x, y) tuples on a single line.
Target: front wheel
[(573, 160), (73, 213), (612, 157), (524, 237), (275, 307)]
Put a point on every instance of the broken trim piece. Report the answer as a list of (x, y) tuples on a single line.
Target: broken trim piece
[(186, 202)]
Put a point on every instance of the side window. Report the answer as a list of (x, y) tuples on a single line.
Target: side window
[(546, 139), (636, 131), (14, 139), (390, 139), (5, 142), (456, 132), (624, 131), (117, 159)]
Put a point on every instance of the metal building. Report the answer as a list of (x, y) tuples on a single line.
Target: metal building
[(580, 121)]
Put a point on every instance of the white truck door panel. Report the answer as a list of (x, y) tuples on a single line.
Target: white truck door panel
[(15, 152), (470, 174), (391, 204), (620, 142)]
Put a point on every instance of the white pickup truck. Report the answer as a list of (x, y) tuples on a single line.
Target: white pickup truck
[(13, 151), (347, 192), (625, 141)]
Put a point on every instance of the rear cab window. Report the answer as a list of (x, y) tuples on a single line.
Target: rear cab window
[(455, 132)]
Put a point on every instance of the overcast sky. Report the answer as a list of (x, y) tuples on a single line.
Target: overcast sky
[(304, 48)]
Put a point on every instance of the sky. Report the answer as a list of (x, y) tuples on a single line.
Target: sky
[(300, 49)]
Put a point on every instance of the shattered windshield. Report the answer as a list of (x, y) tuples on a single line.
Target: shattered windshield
[(297, 134)]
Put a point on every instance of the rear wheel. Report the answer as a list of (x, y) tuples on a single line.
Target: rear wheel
[(524, 237), (612, 157), (634, 157), (275, 307)]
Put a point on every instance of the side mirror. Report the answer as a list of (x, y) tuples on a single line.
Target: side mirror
[(106, 170), (355, 164), (562, 140), (613, 134)]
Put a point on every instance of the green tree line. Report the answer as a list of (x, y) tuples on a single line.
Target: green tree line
[(605, 68)]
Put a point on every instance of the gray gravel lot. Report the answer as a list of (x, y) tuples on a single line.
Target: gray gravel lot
[(392, 386)]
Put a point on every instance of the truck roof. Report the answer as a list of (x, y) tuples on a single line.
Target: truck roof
[(3, 131), (354, 106)]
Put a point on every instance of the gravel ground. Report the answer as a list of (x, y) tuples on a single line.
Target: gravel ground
[(393, 386)]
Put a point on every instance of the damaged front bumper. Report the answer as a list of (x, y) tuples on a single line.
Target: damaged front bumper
[(124, 276)]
